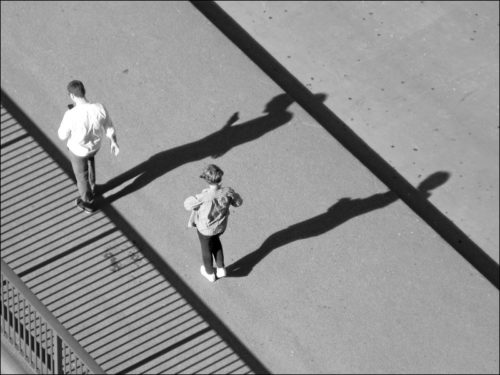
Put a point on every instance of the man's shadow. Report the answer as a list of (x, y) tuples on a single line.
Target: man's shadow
[(345, 209), (213, 145)]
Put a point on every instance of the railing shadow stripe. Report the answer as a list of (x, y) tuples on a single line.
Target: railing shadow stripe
[(67, 252), (22, 225), (56, 288), (50, 245), (13, 141), (48, 286), (48, 240), (126, 333), (210, 356), (38, 187), (36, 227), (114, 306), (118, 360), (20, 146), (216, 362), (22, 203), (38, 201), (19, 164), (122, 350), (7, 117), (47, 234), (30, 174), (89, 286), (34, 147), (166, 350), (92, 293), (10, 134), (188, 349)]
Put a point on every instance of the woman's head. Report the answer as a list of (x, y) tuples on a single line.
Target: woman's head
[(212, 174)]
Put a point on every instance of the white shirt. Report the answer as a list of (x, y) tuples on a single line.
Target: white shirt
[(84, 126)]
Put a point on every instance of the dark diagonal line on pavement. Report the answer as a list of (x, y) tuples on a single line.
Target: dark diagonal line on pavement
[(13, 141)]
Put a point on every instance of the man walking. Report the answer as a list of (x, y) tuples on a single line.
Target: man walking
[(84, 126)]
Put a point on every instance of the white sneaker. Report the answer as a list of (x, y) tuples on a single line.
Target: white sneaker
[(221, 272), (210, 277)]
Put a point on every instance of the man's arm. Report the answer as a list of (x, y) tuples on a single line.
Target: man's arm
[(111, 134), (64, 130), (115, 149)]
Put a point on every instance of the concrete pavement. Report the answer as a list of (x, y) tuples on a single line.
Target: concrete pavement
[(370, 289)]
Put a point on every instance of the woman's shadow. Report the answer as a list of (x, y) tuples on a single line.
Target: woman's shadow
[(213, 145), (345, 209)]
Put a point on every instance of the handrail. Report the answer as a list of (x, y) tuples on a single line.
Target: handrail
[(62, 335)]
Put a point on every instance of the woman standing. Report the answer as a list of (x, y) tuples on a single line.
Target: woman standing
[(209, 214)]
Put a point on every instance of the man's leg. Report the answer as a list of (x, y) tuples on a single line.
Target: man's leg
[(81, 171), (91, 169)]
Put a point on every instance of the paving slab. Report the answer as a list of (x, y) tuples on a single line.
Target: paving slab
[(331, 272)]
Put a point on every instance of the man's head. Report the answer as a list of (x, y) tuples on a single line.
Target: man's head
[(76, 89)]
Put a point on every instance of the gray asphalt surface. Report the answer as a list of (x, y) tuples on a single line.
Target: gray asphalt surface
[(342, 276)]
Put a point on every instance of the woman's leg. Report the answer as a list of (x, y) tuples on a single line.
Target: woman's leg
[(216, 251), (206, 254)]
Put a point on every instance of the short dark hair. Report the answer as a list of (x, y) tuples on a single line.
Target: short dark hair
[(76, 88), (212, 174)]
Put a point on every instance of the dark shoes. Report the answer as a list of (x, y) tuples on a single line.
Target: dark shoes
[(87, 207)]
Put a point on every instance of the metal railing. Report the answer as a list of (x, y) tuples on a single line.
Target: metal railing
[(36, 334)]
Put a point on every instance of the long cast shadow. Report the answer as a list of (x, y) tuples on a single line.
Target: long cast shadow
[(213, 145), (342, 211)]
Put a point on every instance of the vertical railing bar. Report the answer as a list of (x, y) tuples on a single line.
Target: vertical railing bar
[(9, 314), (41, 347), (29, 337), (2, 325), (63, 358), (51, 346), (25, 327), (46, 346), (22, 343), (38, 349), (16, 315), (58, 355), (4, 328), (35, 340), (66, 360)]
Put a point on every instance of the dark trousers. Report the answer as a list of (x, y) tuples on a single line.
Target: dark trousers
[(211, 248), (84, 170)]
